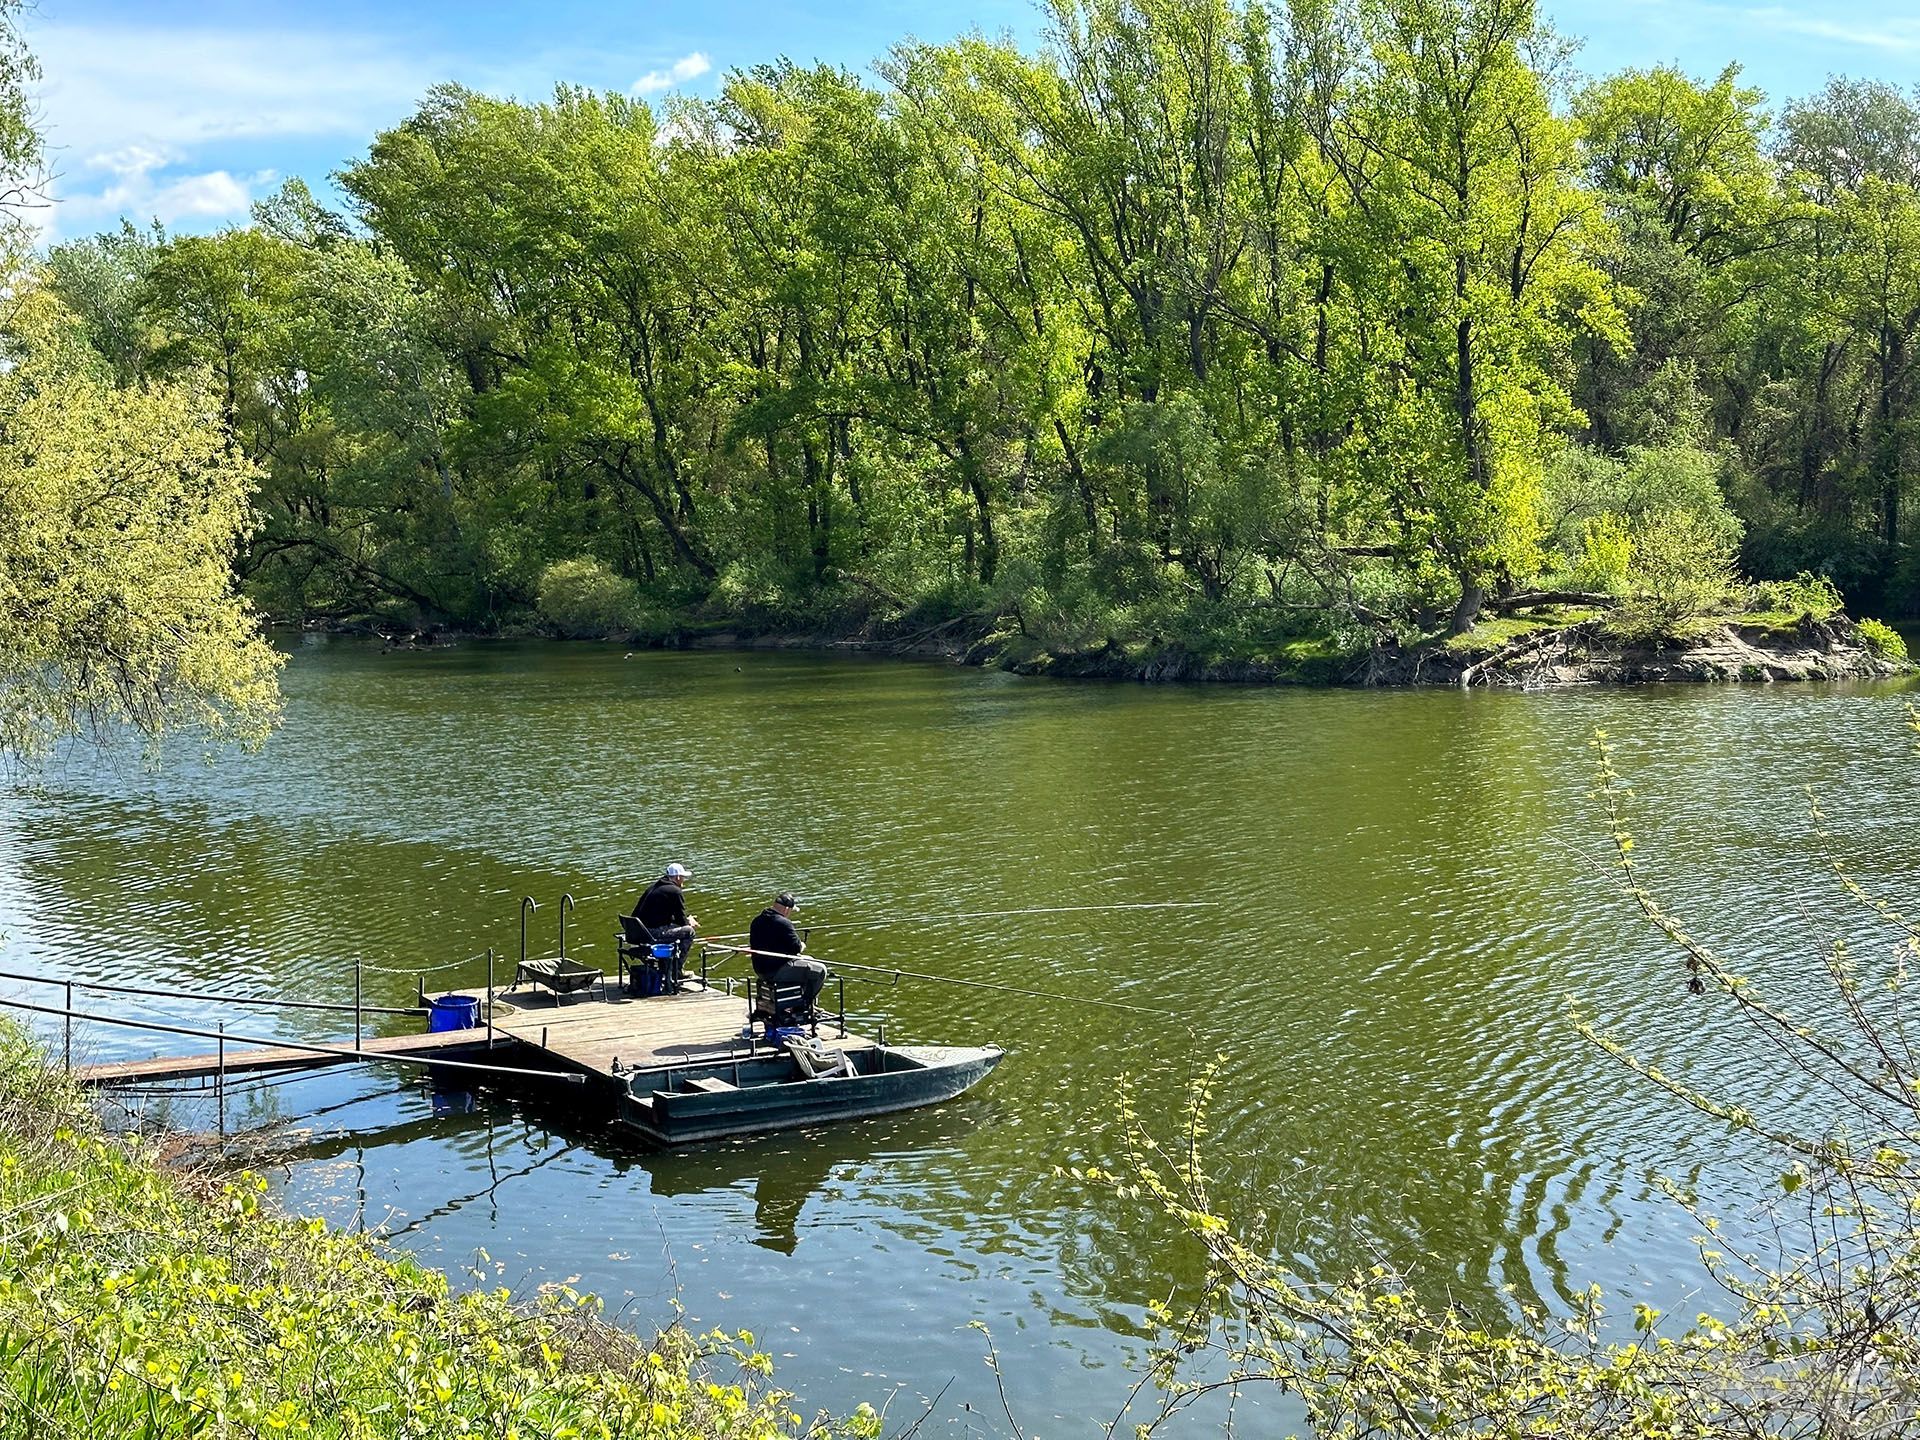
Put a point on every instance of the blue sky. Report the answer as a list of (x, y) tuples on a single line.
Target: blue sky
[(189, 112)]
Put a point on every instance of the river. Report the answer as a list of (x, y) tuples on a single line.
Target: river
[(1405, 891)]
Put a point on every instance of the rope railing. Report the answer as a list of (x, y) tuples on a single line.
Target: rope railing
[(421, 969)]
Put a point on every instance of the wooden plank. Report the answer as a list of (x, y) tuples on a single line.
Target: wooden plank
[(243, 1062), (588, 1033)]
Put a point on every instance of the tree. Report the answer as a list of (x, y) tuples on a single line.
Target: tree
[(121, 505), (1681, 169), (1468, 243), (120, 512)]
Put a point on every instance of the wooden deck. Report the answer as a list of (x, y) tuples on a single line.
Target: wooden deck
[(590, 1033)]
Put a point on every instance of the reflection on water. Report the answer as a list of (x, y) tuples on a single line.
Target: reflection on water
[(1407, 897)]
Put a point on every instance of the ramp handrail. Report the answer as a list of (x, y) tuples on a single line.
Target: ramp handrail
[(159, 994), (348, 1052)]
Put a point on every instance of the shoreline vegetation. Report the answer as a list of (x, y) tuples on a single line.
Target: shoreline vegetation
[(148, 1302), (1197, 339), (1550, 644)]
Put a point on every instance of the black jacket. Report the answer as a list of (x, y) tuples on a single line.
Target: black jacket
[(664, 905), (773, 931)]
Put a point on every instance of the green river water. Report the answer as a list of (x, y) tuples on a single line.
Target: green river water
[(1407, 890)]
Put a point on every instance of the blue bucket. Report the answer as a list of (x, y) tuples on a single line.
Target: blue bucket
[(452, 1012), (663, 952)]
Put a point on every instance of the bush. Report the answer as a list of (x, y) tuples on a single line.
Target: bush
[(1682, 571), (1805, 594), (1606, 554), (1642, 488), (582, 598), (1883, 640), (137, 1303)]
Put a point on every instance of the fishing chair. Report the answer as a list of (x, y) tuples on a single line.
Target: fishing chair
[(777, 1007), (646, 962)]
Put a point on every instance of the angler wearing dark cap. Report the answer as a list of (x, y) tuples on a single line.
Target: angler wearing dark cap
[(663, 910), (777, 951)]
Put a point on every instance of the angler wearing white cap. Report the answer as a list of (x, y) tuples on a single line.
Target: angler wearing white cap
[(663, 910)]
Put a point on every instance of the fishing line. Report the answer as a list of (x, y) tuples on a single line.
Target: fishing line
[(899, 974), (960, 915), (945, 916)]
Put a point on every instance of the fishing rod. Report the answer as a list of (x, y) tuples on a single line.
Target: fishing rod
[(960, 915), (898, 974)]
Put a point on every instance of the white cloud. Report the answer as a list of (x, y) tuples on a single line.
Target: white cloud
[(687, 67), (109, 85), (129, 109), (132, 181), (144, 119)]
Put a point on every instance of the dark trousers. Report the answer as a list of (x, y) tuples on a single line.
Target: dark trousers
[(681, 937), (807, 975)]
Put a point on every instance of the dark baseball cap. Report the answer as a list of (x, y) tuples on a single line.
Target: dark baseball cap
[(786, 898)]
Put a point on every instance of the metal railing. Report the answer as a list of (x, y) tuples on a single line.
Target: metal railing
[(220, 1035)]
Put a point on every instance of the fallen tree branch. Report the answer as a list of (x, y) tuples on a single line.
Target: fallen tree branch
[(1526, 645), (1528, 598)]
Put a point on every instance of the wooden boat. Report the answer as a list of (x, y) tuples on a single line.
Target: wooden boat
[(680, 1104)]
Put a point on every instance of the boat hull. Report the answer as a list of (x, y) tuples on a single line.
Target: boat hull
[(673, 1107)]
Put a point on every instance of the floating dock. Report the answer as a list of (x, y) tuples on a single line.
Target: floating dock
[(598, 1036), (606, 1035), (677, 1068)]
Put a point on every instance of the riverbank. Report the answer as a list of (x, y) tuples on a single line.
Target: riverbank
[(1538, 656), (1533, 652), (138, 1300), (1532, 647)]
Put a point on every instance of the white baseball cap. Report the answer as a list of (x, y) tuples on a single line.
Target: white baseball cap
[(677, 871)]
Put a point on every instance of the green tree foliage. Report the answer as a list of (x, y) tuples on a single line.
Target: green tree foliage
[(120, 510), (1195, 309), (122, 499)]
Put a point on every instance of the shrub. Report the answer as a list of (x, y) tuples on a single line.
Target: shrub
[(1641, 488), (1606, 554), (1682, 571), (1883, 640), (583, 598), (1804, 594), (136, 1303)]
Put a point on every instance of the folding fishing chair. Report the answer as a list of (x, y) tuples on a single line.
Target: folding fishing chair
[(646, 962)]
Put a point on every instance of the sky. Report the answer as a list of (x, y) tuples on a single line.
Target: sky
[(187, 113)]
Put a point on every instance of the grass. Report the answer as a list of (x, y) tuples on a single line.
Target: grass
[(135, 1302), (1770, 622), (1493, 633)]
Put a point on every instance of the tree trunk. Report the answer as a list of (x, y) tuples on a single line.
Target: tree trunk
[(983, 512), (1473, 595)]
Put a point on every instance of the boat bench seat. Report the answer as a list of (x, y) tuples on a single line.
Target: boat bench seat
[(711, 1084)]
